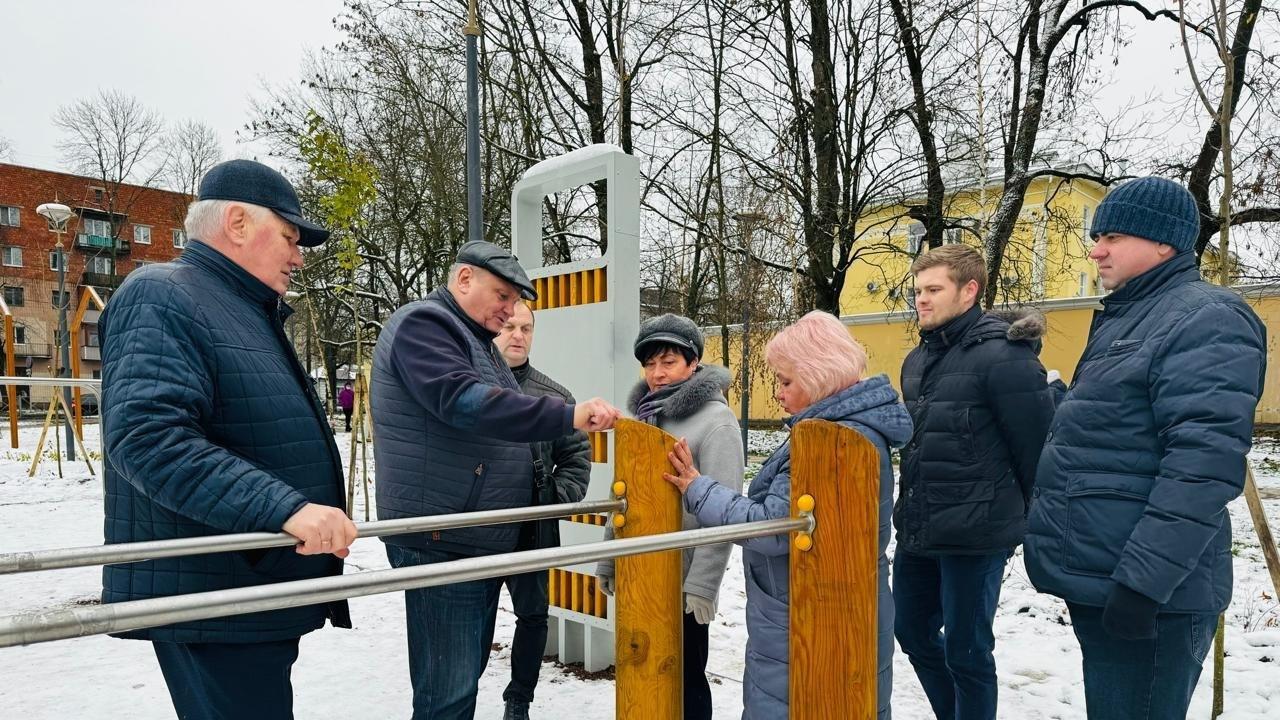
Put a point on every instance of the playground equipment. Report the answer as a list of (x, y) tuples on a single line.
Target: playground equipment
[(588, 314), (835, 490)]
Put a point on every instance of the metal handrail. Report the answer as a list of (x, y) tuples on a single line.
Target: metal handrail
[(64, 623), (95, 385), (30, 561)]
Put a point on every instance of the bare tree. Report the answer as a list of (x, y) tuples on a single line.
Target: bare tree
[(115, 139)]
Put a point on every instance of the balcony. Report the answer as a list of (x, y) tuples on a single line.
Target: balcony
[(101, 280), (85, 241), (91, 353), (35, 350)]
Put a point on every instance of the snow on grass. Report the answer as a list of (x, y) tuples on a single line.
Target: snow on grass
[(363, 673)]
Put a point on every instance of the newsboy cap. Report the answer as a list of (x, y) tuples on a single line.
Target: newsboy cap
[(500, 262), (672, 329), (254, 183)]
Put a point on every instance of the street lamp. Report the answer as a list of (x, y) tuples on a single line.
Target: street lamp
[(58, 214), (747, 220)]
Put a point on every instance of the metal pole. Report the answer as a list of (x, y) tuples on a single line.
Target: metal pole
[(475, 212), (20, 562), (90, 384), (64, 337), (746, 330), (63, 623)]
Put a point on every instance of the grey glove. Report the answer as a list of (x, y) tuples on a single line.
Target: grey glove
[(605, 583), (702, 609)]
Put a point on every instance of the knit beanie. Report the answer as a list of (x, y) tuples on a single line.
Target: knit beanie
[(1154, 208)]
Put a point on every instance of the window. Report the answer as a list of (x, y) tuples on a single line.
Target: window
[(60, 298), (179, 239), (96, 226), (1084, 225), (19, 334), (98, 194), (91, 337), (11, 256), (13, 296), (98, 264), (951, 236), (142, 234), (8, 216), (142, 263), (53, 260), (1084, 284), (915, 234)]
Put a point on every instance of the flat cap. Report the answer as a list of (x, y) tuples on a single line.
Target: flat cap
[(254, 183), (500, 262)]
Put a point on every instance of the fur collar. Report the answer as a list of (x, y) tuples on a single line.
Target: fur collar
[(707, 384)]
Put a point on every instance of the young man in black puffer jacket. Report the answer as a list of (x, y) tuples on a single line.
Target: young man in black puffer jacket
[(981, 406)]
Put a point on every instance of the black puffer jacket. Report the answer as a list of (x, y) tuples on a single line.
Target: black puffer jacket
[(981, 406), (562, 467)]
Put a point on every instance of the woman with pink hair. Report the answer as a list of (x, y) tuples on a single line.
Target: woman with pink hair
[(819, 370)]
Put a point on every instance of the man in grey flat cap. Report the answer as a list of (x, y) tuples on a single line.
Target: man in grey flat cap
[(451, 434)]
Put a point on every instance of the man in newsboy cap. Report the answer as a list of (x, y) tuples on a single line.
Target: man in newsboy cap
[(451, 434), (211, 425)]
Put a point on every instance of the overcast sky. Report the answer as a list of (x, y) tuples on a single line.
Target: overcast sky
[(197, 60), (205, 60)]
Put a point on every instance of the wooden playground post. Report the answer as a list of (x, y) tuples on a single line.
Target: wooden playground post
[(834, 582), (648, 627), (87, 296), (10, 369)]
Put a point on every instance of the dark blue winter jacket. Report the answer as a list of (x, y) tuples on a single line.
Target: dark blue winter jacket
[(451, 427), (210, 426), (1149, 445)]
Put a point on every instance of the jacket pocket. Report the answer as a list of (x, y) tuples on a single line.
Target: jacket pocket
[(479, 475), (958, 512), (1123, 347), (1102, 511)]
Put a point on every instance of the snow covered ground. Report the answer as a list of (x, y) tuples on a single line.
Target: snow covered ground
[(363, 673)]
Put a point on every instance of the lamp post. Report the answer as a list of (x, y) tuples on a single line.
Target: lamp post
[(58, 214), (747, 220), (475, 212)]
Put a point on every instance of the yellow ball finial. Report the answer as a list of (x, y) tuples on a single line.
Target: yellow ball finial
[(619, 520), (804, 542), (619, 488), (805, 503)]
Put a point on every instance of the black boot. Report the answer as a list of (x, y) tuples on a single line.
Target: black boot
[(516, 710)]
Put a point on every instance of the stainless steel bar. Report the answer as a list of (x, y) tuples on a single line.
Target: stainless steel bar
[(64, 623), (89, 383), (19, 562)]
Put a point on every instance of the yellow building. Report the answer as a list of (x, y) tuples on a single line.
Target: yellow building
[(1047, 255)]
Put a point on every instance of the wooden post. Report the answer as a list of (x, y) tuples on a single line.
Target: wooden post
[(10, 369), (834, 583), (87, 296), (1262, 528), (649, 625)]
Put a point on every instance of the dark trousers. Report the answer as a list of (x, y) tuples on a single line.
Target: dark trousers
[(225, 681), (450, 633), (529, 601), (697, 691), (1141, 679), (944, 607), (346, 415)]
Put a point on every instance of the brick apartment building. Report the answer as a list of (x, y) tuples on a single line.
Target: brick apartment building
[(115, 229)]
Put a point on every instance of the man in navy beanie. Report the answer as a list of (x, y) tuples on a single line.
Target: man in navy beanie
[(1128, 520)]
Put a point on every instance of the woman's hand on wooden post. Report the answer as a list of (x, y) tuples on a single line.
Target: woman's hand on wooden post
[(682, 460)]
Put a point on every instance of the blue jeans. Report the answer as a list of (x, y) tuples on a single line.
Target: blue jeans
[(1141, 679), (450, 632), (212, 681), (944, 608)]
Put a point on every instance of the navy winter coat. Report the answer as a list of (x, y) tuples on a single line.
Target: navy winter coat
[(871, 407), (210, 426), (980, 408), (1149, 446), (451, 427)]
